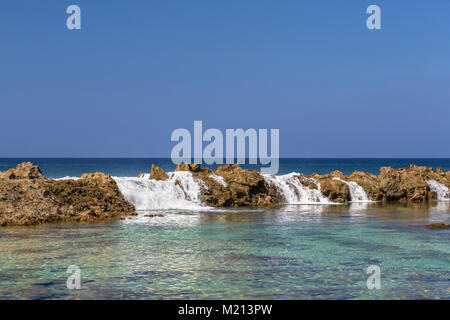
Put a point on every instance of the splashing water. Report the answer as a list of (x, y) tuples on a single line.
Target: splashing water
[(440, 189), (357, 192), (294, 192), (180, 191), (219, 179)]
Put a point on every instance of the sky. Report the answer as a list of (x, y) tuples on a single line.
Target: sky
[(137, 70)]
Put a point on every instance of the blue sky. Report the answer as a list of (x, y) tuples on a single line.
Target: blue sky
[(140, 69)]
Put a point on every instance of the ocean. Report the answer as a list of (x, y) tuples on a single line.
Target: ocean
[(130, 167), (188, 251)]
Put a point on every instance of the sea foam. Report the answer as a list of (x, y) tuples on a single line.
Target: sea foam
[(357, 193), (440, 189), (180, 191), (294, 192)]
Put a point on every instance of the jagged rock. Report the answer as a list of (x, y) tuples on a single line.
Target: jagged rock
[(233, 173), (158, 173), (195, 167), (248, 187), (406, 184), (243, 187), (308, 182), (141, 175), (336, 174), (27, 197), (369, 182), (438, 226), (335, 190), (25, 170)]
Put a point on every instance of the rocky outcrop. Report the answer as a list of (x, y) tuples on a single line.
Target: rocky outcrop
[(249, 188), (369, 182), (241, 187), (438, 226), (27, 197), (158, 174), (188, 167), (334, 190)]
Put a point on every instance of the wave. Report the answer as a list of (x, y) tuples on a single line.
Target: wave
[(294, 192), (67, 178), (357, 193), (441, 190)]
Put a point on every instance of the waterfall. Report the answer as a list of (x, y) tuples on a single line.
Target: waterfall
[(440, 189), (180, 191), (219, 180), (294, 192), (357, 193)]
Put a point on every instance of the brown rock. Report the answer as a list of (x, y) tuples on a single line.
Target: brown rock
[(369, 182), (243, 187), (438, 226), (195, 167), (158, 173), (30, 198), (406, 184), (335, 190), (25, 170)]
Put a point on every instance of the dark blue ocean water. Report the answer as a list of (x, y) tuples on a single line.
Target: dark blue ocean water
[(62, 167)]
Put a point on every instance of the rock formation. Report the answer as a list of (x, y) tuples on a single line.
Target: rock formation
[(27, 197), (158, 174), (249, 188), (241, 187), (438, 226)]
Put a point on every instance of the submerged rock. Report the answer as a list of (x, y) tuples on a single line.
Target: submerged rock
[(27, 198), (438, 226)]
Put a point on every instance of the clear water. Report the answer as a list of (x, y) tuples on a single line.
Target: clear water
[(290, 252)]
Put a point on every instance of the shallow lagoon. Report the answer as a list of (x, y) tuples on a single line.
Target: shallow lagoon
[(291, 252)]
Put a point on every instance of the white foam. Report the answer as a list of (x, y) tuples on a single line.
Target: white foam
[(294, 192), (440, 189), (67, 178), (180, 191), (219, 179), (357, 193)]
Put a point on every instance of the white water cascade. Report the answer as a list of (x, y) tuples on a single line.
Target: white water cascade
[(357, 193), (294, 192), (180, 191), (441, 190), (219, 180)]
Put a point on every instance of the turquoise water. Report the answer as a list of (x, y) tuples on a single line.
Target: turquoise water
[(291, 252)]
